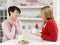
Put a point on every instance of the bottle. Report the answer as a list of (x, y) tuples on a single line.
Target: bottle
[(36, 25)]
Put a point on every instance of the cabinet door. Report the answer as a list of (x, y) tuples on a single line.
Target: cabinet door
[(0, 27), (1, 13), (5, 13), (1, 34), (1, 20), (0, 40), (3, 16)]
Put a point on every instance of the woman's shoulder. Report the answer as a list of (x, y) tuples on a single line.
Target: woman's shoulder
[(19, 21), (51, 21)]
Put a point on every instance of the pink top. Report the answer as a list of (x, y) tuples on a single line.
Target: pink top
[(11, 32)]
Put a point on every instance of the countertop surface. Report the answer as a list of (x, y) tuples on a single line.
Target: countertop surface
[(31, 42)]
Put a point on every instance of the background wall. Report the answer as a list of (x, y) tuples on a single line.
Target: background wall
[(58, 16), (56, 11)]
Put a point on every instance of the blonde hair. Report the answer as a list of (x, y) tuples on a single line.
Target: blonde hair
[(47, 12)]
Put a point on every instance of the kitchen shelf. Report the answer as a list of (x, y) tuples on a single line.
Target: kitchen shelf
[(0, 37), (30, 18), (3, 16), (31, 6), (2, 8), (0, 30)]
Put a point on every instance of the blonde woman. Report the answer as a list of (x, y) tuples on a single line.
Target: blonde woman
[(12, 26), (49, 30)]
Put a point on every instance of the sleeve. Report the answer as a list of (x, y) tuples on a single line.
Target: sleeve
[(52, 30), (19, 27), (7, 33)]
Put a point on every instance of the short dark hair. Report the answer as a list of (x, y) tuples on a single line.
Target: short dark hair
[(13, 8)]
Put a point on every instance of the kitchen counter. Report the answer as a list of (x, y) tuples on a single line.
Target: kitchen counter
[(31, 42)]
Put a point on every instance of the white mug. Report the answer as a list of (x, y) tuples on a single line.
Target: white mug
[(33, 31)]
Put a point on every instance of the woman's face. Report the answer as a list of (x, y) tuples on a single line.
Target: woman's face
[(42, 14), (15, 14)]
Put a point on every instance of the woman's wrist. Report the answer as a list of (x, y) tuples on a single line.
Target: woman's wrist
[(38, 34)]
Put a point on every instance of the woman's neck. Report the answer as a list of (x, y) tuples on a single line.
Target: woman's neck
[(45, 21), (13, 19)]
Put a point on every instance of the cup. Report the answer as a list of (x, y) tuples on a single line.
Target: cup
[(33, 31)]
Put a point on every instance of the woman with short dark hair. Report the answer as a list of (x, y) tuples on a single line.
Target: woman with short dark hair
[(12, 26)]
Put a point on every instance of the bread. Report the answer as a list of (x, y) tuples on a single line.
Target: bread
[(23, 41)]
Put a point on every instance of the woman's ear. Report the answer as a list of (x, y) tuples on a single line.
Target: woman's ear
[(10, 13)]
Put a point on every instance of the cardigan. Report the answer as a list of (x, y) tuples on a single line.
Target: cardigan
[(50, 31)]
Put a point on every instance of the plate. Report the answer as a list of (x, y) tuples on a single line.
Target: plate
[(23, 41)]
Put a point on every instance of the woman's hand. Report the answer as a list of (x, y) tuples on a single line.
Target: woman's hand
[(11, 22), (38, 33)]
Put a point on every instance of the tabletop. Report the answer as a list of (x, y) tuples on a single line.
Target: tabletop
[(31, 42)]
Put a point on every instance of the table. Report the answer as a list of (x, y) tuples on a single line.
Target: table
[(31, 42)]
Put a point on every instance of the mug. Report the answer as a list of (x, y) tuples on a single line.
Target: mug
[(33, 31)]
